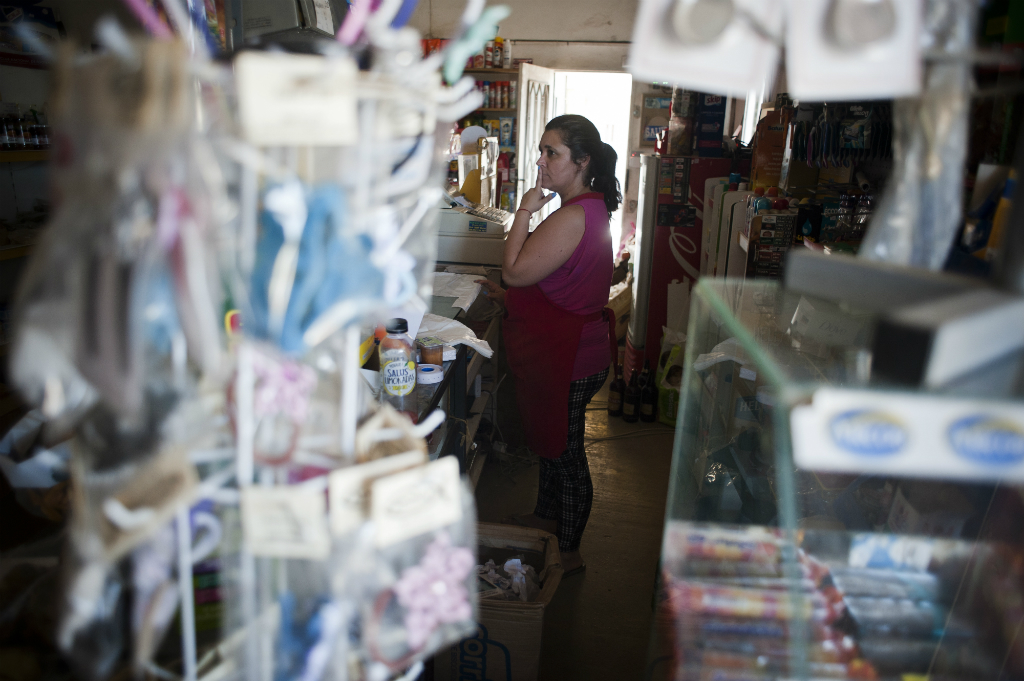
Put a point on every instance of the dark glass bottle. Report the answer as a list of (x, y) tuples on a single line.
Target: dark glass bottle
[(616, 393), (649, 401), (15, 133), (631, 401), (645, 375), (8, 124)]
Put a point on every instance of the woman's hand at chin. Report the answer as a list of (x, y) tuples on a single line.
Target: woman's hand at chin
[(534, 198)]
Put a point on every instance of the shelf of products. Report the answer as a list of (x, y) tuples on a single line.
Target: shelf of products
[(805, 539), (25, 156), (501, 72)]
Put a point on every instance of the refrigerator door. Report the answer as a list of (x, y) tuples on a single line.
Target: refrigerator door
[(647, 210)]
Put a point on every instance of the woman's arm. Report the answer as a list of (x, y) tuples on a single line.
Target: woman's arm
[(529, 260)]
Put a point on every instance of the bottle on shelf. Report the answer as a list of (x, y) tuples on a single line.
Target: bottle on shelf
[(616, 393), (398, 368), (649, 400), (631, 400)]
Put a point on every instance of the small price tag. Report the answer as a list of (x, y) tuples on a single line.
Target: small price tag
[(411, 503), (285, 522), (324, 19), (296, 99), (349, 488)]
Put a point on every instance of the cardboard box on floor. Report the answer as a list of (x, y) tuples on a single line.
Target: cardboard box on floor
[(507, 643)]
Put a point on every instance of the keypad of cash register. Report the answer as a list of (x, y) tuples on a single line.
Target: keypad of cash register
[(502, 217)]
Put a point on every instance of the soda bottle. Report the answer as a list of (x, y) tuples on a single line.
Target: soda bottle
[(616, 393)]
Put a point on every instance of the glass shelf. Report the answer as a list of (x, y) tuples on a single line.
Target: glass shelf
[(821, 525)]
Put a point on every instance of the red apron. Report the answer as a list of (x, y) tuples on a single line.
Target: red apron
[(541, 340)]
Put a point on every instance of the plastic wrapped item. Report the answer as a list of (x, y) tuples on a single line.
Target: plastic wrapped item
[(451, 332), (524, 579), (380, 584), (309, 261), (37, 474), (669, 374), (122, 291), (918, 217)]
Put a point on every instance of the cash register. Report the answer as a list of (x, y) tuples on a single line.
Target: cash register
[(469, 233)]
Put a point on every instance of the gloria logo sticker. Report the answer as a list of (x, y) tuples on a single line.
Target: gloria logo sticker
[(868, 433), (987, 439)]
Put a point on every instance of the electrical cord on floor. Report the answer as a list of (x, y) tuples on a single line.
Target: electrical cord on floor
[(623, 436), (635, 433)]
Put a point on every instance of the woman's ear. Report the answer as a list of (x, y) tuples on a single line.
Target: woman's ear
[(582, 164)]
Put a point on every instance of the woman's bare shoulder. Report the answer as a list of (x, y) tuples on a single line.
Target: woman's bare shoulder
[(567, 216)]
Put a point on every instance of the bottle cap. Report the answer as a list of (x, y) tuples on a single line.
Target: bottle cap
[(759, 191), (397, 325), (773, 191), (734, 178), (744, 186)]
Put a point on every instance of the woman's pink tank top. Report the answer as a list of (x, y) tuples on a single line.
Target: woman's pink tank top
[(581, 284)]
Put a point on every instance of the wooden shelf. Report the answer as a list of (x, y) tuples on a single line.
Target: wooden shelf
[(23, 156), (503, 72)]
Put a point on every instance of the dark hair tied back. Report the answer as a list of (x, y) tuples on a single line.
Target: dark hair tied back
[(584, 141)]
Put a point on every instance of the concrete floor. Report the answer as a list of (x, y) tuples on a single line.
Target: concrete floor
[(599, 624)]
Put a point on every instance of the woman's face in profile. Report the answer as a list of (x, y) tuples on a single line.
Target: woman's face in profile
[(556, 161)]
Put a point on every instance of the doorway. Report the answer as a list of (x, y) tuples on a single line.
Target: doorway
[(604, 98)]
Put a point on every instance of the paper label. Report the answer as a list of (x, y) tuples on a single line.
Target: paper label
[(398, 373), (825, 324), (296, 99), (285, 522), (324, 19), (348, 488), (413, 502), (889, 552), (920, 436)]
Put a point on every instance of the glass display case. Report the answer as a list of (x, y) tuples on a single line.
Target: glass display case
[(821, 526)]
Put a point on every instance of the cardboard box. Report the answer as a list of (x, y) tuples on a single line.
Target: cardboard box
[(506, 646)]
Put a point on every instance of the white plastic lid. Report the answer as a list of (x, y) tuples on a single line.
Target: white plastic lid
[(429, 373)]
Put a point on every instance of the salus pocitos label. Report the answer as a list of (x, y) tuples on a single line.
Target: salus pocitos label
[(398, 374)]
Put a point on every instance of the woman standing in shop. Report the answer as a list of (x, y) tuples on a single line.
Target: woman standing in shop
[(556, 333)]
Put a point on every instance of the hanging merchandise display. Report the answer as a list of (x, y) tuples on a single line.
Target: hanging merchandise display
[(295, 192), (726, 47), (118, 338), (853, 49)]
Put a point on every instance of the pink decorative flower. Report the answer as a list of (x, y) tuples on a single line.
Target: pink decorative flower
[(434, 592), (282, 387)]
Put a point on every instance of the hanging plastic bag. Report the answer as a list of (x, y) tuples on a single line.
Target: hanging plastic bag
[(919, 216), (669, 375), (123, 288)]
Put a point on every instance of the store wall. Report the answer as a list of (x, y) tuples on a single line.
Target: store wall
[(568, 20), (585, 35)]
